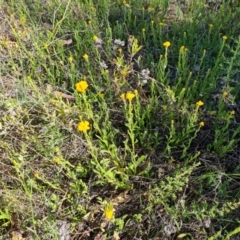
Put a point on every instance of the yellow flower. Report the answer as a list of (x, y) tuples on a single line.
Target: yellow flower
[(161, 23), (109, 211), (182, 48), (36, 175), (57, 160), (233, 112), (95, 38), (83, 126), (164, 107), (143, 30), (224, 38), (122, 96), (135, 92), (167, 44), (130, 96), (210, 25), (201, 124), (225, 94), (81, 86), (199, 103), (152, 22), (70, 59), (89, 22), (101, 95), (85, 56)]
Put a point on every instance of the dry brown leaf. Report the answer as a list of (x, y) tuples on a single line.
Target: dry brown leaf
[(67, 42), (99, 237), (121, 198), (116, 236), (16, 235), (63, 95)]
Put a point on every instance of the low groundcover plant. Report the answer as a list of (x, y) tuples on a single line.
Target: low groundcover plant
[(119, 119)]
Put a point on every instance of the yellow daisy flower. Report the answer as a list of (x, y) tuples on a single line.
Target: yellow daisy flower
[(199, 103), (167, 44), (109, 211), (70, 59), (225, 94), (95, 38), (85, 56), (83, 126), (81, 86), (130, 96), (122, 96)]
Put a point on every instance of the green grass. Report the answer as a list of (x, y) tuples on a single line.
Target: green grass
[(119, 120)]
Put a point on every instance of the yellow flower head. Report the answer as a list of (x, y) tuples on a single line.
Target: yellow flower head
[(164, 107), (122, 96), (36, 175), (57, 160), (167, 44), (224, 38), (81, 86), (225, 94), (85, 56), (109, 211), (95, 38), (233, 112), (130, 96), (83, 126), (199, 103), (70, 59), (201, 124), (182, 48), (210, 25), (101, 95)]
